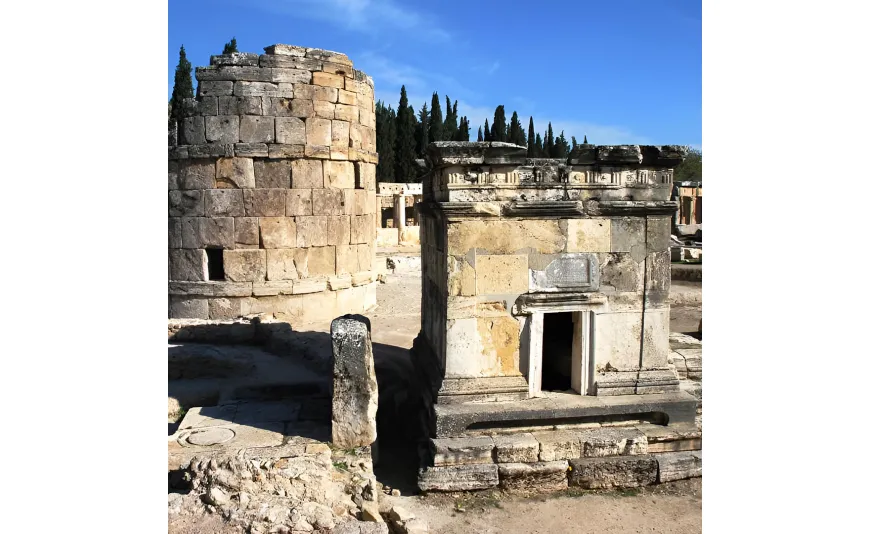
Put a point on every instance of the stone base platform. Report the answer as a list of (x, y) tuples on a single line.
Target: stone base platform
[(556, 409)]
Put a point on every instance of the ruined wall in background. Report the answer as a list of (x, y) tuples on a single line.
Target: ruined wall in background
[(272, 203)]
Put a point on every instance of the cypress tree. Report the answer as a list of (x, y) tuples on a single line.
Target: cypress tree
[(573, 144), (423, 131), (405, 145), (539, 146), (550, 143), (458, 135), (531, 143), (436, 122), (450, 127), (561, 146), (385, 119), (230, 47), (499, 125), (584, 140), (479, 134), (487, 136), (462, 134), (182, 89)]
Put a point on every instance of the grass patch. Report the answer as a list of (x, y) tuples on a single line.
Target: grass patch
[(340, 465)]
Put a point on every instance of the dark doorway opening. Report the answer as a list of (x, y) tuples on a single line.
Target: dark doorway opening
[(558, 337), (215, 258)]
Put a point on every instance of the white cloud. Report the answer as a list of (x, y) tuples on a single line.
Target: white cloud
[(366, 16)]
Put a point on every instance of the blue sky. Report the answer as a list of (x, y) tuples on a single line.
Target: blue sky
[(621, 71)]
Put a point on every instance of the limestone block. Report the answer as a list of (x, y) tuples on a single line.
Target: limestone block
[(269, 174), (655, 338), (290, 130), (173, 175), (280, 264), (211, 289), (224, 203), (612, 442), (196, 175), (346, 113), (193, 130), (188, 265), (462, 450), (311, 231), (617, 340), (232, 73), (256, 129), (174, 232), (538, 476), (355, 134), (318, 132), (627, 234), (361, 228), (235, 173), (285, 75), (316, 92), (346, 259), (300, 257), (516, 448), (223, 308), (214, 88), (504, 236), (321, 261), (245, 265), (240, 105), (458, 477), (338, 282), (264, 202), (307, 174), (363, 278), (678, 465), (365, 255), (327, 80), (658, 234), (559, 445), (251, 150), (299, 202), (346, 97), (502, 274), (202, 232), (236, 58), (247, 231), (302, 287), (612, 472), (359, 203), (241, 88), (327, 201), (188, 307), (318, 151), (587, 235), (366, 117), (273, 287), (286, 151), (222, 129), (324, 110), (461, 277), (277, 232), (186, 204), (354, 385), (368, 139), (338, 230), (211, 150), (658, 272)]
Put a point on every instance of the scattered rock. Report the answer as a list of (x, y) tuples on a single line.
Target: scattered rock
[(370, 512)]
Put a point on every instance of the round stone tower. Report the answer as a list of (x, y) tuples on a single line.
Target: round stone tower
[(272, 189)]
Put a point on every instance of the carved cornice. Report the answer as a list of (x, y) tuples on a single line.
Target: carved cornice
[(553, 209)]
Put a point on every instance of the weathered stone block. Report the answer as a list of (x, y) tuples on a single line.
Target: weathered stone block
[(256, 129), (455, 451), (612, 472), (538, 476), (288, 75), (300, 257), (273, 287), (277, 232), (280, 265), (286, 151), (211, 150), (502, 274), (361, 228), (658, 234), (299, 202), (327, 80), (613, 442), (247, 230), (240, 105), (186, 204), (287, 107), (504, 236), (346, 113), (311, 231), (365, 255), (307, 174), (196, 175), (272, 174), (193, 130), (337, 153), (232, 73), (255, 89), (620, 272), (365, 175), (302, 287), (224, 203), (318, 132), (290, 130), (224, 308), (587, 235), (327, 201), (559, 445), (346, 259), (188, 307), (336, 283), (321, 261), (237, 58), (264, 202), (678, 465), (355, 387), (201, 232), (245, 265), (235, 173), (339, 174), (209, 88), (458, 477), (251, 150), (174, 232), (338, 230), (324, 110), (627, 234), (222, 129), (173, 175), (340, 134), (289, 62), (366, 117), (346, 97), (318, 151), (516, 448), (188, 265)]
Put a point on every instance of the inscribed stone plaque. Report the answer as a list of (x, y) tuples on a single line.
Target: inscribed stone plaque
[(568, 272)]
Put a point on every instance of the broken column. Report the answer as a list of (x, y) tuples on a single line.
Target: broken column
[(272, 189), (354, 386)]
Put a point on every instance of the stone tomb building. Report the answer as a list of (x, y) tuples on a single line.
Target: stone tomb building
[(545, 287), (272, 203)]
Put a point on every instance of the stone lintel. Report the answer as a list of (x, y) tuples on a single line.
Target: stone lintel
[(457, 211), (211, 288), (555, 302)]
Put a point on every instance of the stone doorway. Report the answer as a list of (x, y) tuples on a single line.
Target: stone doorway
[(561, 352), (556, 348)]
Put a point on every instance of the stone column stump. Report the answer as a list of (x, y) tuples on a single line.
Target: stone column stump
[(355, 387)]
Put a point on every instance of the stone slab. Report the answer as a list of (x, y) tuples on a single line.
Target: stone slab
[(511, 448), (458, 477), (678, 465), (538, 476), (559, 445), (458, 451), (613, 472)]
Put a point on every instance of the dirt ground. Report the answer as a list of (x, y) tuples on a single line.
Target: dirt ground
[(666, 508)]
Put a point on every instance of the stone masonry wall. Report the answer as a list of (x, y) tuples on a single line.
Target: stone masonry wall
[(274, 177)]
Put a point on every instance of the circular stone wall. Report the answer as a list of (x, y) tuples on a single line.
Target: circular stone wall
[(272, 189)]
